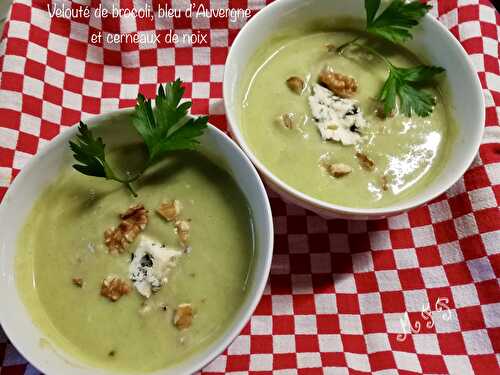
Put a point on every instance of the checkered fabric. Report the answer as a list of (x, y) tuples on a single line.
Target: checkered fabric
[(341, 294)]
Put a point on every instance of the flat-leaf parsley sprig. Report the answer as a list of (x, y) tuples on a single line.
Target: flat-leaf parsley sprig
[(166, 128), (394, 24), (90, 152)]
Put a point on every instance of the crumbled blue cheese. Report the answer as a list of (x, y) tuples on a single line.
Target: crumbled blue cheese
[(151, 263), (338, 119)]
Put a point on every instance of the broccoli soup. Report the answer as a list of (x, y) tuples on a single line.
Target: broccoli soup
[(135, 284), (312, 114)]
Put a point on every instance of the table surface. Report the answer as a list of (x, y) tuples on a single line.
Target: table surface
[(338, 289)]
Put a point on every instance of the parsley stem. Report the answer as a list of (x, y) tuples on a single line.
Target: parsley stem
[(129, 187), (340, 50), (374, 52), (136, 177), (112, 176), (127, 183)]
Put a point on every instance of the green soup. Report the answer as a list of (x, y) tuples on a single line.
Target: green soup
[(408, 153), (63, 239)]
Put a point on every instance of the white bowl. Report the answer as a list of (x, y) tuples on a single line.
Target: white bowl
[(431, 39), (40, 171)]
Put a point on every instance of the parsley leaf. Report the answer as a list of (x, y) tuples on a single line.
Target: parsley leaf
[(168, 127), (395, 22), (89, 151), (404, 83), (371, 8)]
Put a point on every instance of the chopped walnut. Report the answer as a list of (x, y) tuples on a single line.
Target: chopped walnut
[(296, 84), (182, 228), (133, 221), (183, 316), (115, 240), (365, 161), (339, 169), (331, 47), (380, 112), (170, 210), (286, 120), (341, 85), (77, 281), (384, 182), (114, 288)]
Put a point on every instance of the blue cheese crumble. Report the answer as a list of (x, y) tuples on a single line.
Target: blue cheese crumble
[(338, 119), (151, 263)]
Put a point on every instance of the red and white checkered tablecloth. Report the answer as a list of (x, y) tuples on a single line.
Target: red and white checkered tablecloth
[(338, 289)]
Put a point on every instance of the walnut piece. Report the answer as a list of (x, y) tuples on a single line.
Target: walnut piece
[(380, 112), (77, 281), (339, 169), (384, 182), (133, 222), (113, 288), (115, 240), (331, 47), (296, 84), (365, 161), (287, 120), (182, 228), (183, 316), (340, 84), (170, 210)]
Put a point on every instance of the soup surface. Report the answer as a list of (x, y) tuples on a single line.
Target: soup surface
[(63, 241), (406, 153)]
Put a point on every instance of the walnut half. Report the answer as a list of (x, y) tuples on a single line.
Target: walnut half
[(113, 288), (133, 221), (340, 84)]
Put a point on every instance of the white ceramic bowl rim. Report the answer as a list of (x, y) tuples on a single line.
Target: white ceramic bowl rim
[(25, 342), (280, 6)]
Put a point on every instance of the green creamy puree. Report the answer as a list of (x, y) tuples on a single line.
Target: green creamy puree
[(63, 239), (408, 151)]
